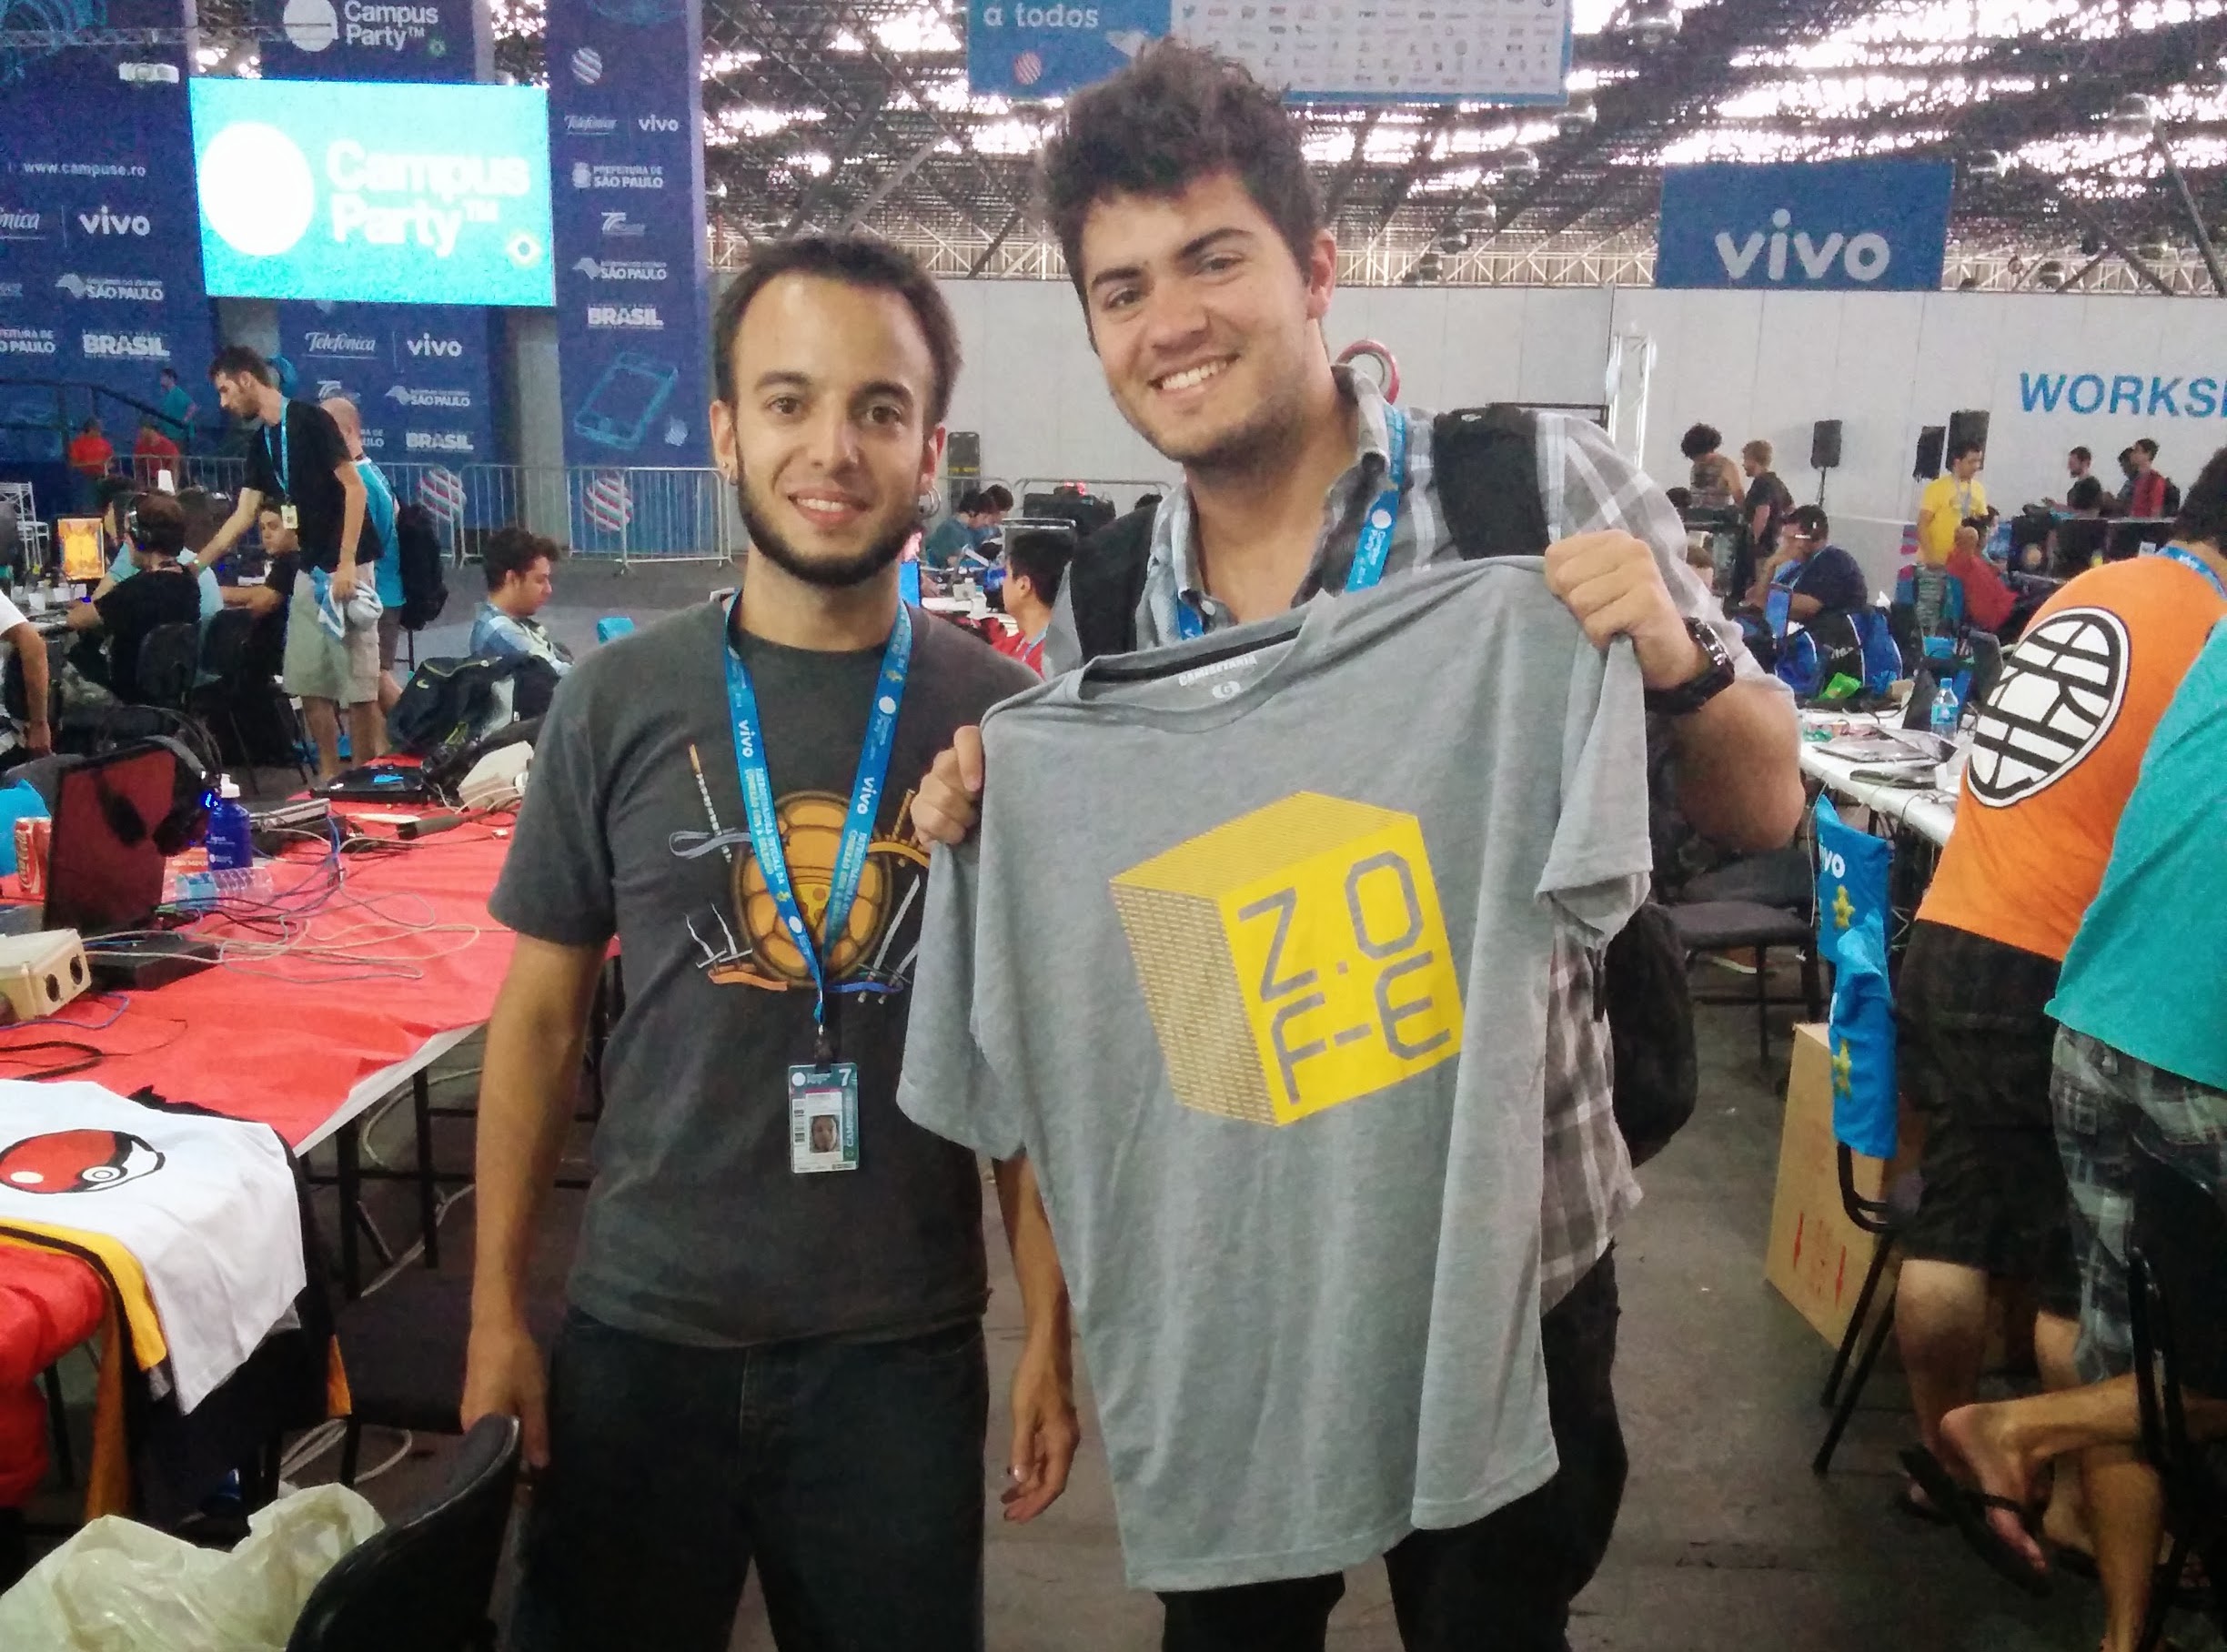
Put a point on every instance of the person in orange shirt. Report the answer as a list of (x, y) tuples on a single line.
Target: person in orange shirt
[(2058, 744), (89, 453)]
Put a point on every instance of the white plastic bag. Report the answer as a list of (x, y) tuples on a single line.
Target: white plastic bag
[(120, 1587)]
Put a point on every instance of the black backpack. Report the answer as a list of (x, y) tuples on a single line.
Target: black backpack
[(1486, 461), (447, 704), (423, 565)]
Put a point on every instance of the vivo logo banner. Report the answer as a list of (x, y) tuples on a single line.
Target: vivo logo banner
[(1817, 227), (633, 346)]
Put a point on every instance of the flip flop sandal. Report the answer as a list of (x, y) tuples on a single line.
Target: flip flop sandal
[(1907, 1505), (1967, 1510)]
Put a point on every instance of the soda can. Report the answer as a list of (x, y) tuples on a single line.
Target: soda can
[(34, 835)]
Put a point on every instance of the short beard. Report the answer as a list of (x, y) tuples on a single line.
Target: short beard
[(1274, 429), (838, 574)]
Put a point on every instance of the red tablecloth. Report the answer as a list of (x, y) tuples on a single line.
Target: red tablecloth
[(280, 1039)]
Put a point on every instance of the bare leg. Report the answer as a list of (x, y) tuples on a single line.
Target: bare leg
[(1941, 1327), (323, 719), (2066, 1522), (389, 691), (367, 732), (2127, 1512)]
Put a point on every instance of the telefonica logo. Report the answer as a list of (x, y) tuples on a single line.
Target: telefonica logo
[(124, 347), (2143, 395), (590, 126), (341, 344), (144, 290), (409, 396), (17, 224)]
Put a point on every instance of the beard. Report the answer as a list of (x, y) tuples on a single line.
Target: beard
[(829, 573), (1270, 430)]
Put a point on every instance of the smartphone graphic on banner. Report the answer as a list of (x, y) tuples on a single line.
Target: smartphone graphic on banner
[(625, 399)]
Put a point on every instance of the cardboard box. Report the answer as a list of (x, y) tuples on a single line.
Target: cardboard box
[(1818, 1257)]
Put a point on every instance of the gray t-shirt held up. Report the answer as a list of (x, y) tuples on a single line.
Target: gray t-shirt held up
[(697, 1231), (1250, 955)]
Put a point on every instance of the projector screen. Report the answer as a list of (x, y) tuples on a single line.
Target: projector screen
[(373, 192)]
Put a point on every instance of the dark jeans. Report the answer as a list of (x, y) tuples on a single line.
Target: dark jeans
[(850, 1473), (1503, 1582)]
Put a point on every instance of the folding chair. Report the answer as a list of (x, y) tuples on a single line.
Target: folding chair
[(2177, 1291), (1722, 926), (1852, 916)]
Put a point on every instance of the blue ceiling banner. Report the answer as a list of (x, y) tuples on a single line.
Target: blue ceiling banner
[(1405, 51), (424, 40), (100, 260), (1858, 226), (633, 325)]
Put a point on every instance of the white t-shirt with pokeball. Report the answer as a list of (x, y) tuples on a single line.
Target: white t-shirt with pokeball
[(206, 1207)]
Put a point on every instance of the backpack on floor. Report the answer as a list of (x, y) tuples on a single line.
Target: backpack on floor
[(447, 704), (1486, 461), (423, 566)]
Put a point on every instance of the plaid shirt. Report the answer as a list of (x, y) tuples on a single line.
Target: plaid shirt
[(1586, 486)]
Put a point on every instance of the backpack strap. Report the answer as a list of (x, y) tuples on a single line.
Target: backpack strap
[(1107, 581), (1485, 461)]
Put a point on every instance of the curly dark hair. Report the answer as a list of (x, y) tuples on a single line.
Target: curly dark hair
[(513, 550), (1175, 116), (2204, 512), (855, 260), (1700, 440)]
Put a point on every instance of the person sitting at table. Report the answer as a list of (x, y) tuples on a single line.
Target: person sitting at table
[(2048, 781), (1989, 601), (192, 505), (518, 565), (1830, 581), (165, 593), (2076, 540), (34, 731), (2140, 1072), (1035, 563)]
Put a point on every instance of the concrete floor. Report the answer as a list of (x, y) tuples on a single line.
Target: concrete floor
[(1726, 1539)]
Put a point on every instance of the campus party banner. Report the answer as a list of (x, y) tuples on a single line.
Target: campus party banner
[(100, 278), (387, 194), (626, 141), (417, 373), (431, 40), (1810, 225)]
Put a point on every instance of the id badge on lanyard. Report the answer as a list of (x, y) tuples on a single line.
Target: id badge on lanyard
[(823, 1095), (288, 516), (2190, 559), (1374, 544)]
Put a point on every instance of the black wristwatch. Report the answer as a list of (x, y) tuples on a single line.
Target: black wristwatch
[(1713, 678)]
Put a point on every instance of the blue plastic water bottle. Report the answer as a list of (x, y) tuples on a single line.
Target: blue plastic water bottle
[(231, 831)]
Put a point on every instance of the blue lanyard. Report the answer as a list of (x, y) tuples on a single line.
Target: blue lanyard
[(2189, 559), (858, 819), (280, 466), (1375, 542)]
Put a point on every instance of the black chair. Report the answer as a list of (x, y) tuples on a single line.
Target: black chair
[(402, 1346), (424, 1582), (1720, 926), (169, 665), (1884, 1219), (2177, 1291), (238, 684)]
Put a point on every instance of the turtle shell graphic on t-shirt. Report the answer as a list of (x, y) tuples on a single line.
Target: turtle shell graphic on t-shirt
[(2060, 693), (77, 1162)]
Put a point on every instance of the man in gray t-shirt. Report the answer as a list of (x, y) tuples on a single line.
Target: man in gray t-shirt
[(1249, 957)]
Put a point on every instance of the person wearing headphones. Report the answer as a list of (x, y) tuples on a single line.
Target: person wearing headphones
[(163, 592)]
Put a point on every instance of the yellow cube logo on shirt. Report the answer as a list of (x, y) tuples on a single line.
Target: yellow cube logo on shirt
[(1293, 958)]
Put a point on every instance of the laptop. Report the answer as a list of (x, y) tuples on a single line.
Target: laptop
[(104, 868)]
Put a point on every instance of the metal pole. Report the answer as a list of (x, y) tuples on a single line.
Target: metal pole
[(2195, 218)]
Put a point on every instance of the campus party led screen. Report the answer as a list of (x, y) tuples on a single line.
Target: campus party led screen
[(373, 192)]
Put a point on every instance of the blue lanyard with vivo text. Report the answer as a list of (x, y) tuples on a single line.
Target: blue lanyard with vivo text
[(2189, 559), (858, 819), (1375, 542), (281, 467)]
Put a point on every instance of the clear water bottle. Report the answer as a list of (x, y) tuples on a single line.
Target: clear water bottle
[(1942, 718)]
